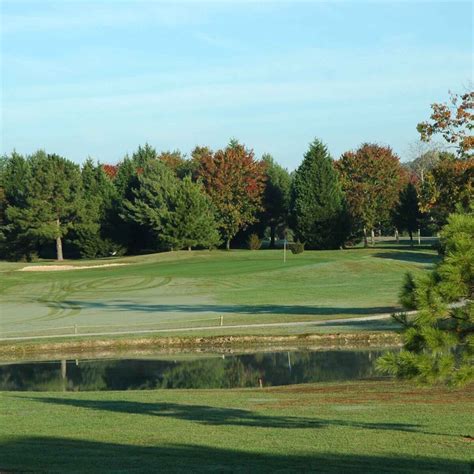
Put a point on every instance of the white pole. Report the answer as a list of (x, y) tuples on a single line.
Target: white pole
[(284, 251)]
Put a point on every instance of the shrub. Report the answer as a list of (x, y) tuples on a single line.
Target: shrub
[(254, 242), (297, 247)]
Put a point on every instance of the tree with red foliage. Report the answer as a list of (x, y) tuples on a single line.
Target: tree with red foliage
[(454, 121), (235, 182), (110, 170), (372, 179)]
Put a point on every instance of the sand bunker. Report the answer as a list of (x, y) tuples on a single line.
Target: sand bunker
[(55, 268)]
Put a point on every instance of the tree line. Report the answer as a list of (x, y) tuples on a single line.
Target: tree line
[(156, 201)]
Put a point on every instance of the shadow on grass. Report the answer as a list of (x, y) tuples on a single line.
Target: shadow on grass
[(208, 415), (377, 325), (119, 305), (412, 256), (49, 454)]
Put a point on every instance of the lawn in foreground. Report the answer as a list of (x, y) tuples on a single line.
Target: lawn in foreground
[(352, 427), (183, 289)]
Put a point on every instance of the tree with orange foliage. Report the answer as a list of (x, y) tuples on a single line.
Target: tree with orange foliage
[(235, 182), (454, 121), (453, 186), (110, 170)]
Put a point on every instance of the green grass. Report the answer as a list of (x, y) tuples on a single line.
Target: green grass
[(184, 289), (353, 427)]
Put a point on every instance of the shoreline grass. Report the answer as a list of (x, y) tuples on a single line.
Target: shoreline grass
[(70, 348)]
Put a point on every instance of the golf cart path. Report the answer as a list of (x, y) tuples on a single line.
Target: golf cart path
[(374, 317)]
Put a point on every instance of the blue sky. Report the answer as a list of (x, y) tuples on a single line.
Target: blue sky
[(99, 78)]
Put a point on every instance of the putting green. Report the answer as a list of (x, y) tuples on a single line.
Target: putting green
[(188, 289)]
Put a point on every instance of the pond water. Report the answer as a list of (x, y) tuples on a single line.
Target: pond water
[(188, 371)]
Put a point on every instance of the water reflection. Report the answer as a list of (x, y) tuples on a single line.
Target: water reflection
[(249, 370)]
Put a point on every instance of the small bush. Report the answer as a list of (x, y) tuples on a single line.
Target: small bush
[(297, 247), (254, 242)]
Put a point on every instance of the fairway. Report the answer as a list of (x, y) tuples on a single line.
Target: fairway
[(349, 427), (192, 289)]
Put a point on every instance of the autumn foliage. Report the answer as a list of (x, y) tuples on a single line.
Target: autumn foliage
[(110, 170), (372, 179), (454, 121), (235, 182)]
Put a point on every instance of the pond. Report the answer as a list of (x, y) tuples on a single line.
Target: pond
[(191, 371)]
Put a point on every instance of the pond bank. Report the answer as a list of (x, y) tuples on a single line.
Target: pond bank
[(101, 347)]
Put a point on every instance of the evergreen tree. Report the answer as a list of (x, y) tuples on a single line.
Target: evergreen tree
[(90, 234), (135, 237), (153, 201), (15, 174), (177, 212), (439, 339), (276, 197), (192, 222), (317, 205), (143, 156), (52, 200), (407, 215)]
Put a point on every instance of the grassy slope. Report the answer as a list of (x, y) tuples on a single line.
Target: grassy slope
[(183, 289), (356, 427)]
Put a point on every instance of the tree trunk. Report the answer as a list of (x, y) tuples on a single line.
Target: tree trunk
[(372, 237), (227, 244), (189, 249), (410, 233), (59, 243), (366, 244), (397, 237), (272, 236)]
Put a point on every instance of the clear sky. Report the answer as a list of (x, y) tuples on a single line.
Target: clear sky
[(99, 78)]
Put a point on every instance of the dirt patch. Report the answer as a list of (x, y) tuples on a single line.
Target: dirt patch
[(381, 391), (58, 268)]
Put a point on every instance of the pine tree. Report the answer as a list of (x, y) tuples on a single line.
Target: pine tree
[(439, 339), (135, 237), (90, 233), (317, 206), (192, 222), (276, 197), (153, 201), (51, 202), (177, 212), (15, 176)]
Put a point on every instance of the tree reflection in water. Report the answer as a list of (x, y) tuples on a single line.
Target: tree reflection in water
[(277, 368)]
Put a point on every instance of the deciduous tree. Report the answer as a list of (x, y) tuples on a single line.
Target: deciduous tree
[(234, 180), (371, 178), (454, 121)]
